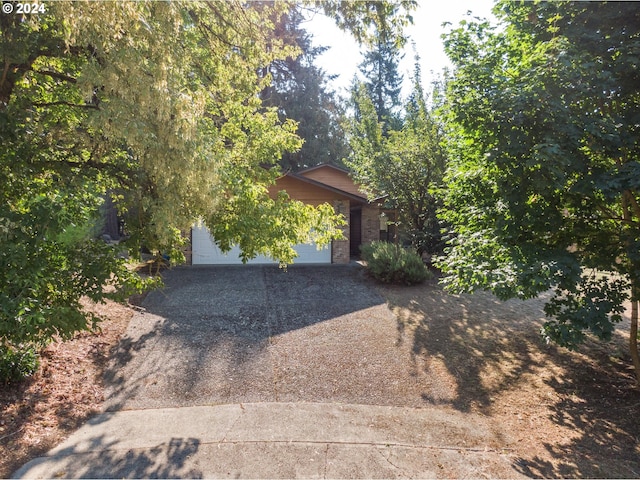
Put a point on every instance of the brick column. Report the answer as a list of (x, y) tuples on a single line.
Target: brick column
[(370, 224), (340, 248)]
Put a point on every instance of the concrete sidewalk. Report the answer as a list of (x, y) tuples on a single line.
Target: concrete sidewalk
[(279, 440)]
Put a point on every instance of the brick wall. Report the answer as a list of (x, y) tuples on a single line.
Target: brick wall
[(187, 249), (370, 224), (340, 248)]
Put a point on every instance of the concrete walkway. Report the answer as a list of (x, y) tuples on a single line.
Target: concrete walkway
[(278, 440)]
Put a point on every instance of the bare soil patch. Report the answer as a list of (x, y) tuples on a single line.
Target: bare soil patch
[(40, 412), (570, 414)]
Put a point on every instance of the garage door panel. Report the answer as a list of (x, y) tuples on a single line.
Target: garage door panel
[(206, 252)]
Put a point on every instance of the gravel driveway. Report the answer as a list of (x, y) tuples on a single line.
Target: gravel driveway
[(219, 335)]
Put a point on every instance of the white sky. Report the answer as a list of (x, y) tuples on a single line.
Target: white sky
[(344, 56)]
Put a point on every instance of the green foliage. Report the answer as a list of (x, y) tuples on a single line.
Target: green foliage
[(50, 261), (391, 263), (157, 105), (405, 165), (594, 305), (383, 81), (154, 104), (369, 20), (543, 121), (17, 364), (300, 92)]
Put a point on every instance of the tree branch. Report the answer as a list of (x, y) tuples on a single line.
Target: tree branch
[(68, 104), (7, 65), (58, 75), (633, 203)]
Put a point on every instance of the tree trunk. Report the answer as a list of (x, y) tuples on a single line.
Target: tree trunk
[(633, 334), (630, 205)]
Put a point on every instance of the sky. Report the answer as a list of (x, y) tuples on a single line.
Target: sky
[(344, 56)]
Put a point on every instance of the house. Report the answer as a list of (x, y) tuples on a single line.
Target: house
[(366, 221)]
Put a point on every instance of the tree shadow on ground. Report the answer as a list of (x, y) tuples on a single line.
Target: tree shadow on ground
[(492, 351), (599, 402), (105, 460), (485, 345), (117, 384), (205, 336)]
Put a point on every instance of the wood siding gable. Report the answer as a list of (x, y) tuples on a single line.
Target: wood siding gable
[(335, 177)]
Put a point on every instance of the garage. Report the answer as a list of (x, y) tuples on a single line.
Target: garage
[(205, 252)]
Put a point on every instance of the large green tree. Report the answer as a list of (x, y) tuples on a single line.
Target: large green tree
[(544, 191), (156, 105), (404, 165), (153, 103), (383, 81), (300, 92)]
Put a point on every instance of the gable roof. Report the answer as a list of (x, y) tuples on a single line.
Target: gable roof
[(326, 187), (335, 177), (323, 165)]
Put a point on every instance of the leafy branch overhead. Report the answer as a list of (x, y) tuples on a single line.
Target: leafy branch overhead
[(543, 192), (155, 105)]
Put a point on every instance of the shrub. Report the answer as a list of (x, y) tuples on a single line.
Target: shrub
[(17, 364), (390, 263)]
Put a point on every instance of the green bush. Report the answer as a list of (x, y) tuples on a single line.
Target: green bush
[(393, 264), (17, 364)]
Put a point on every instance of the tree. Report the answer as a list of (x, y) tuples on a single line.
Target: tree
[(299, 92), (544, 187), (155, 104), (382, 80), (367, 19), (405, 165)]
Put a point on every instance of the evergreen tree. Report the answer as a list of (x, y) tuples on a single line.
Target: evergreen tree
[(382, 80), (407, 165), (299, 91)]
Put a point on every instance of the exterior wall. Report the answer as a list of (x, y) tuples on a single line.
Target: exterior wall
[(334, 178), (340, 248), (188, 248), (370, 224), (206, 252), (305, 192), (314, 195)]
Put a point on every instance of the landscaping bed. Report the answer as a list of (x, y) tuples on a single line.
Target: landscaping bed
[(38, 413)]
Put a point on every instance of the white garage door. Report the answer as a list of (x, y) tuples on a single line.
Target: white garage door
[(205, 252)]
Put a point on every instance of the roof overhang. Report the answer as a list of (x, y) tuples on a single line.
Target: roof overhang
[(324, 186)]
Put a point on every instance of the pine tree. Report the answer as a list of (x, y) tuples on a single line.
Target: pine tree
[(406, 164), (382, 80), (299, 91)]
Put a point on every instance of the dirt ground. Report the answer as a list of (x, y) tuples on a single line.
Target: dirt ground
[(571, 414), (39, 413)]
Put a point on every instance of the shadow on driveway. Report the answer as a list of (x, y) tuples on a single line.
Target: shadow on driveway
[(226, 334), (104, 460)]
